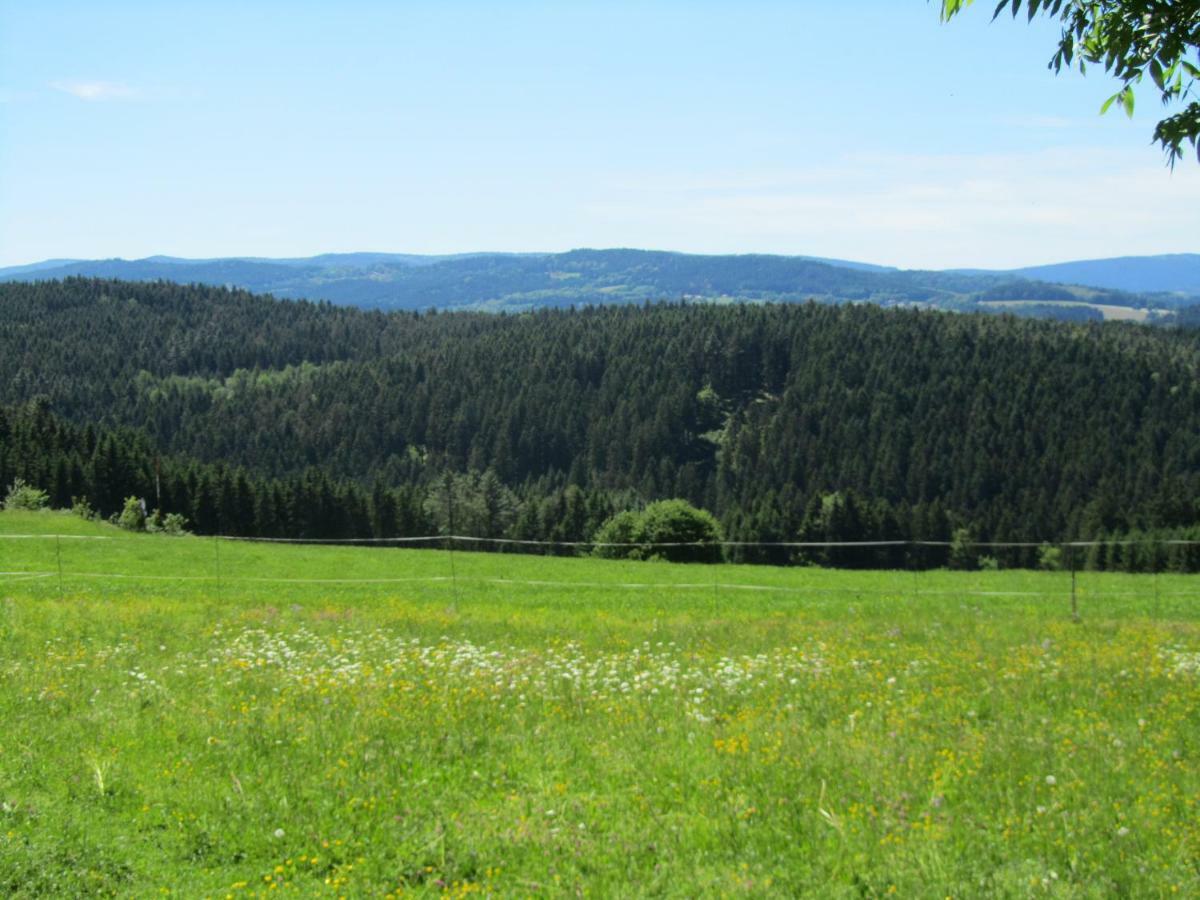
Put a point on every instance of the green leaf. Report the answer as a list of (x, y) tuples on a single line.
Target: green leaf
[(1156, 73), (1109, 102), (1127, 101), (951, 8)]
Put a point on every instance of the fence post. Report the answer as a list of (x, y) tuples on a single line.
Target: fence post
[(217, 558), (716, 568), (58, 559), (1157, 610), (1074, 598), (450, 537)]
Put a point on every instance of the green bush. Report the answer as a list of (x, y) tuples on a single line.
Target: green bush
[(157, 522), (623, 528), (80, 507), (667, 522), (25, 496), (133, 516), (174, 524), (1050, 557), (964, 554)]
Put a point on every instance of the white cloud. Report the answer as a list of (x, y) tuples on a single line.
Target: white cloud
[(96, 90), (937, 211)]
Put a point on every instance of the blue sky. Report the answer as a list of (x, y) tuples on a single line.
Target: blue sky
[(863, 130)]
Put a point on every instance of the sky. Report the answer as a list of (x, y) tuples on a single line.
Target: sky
[(865, 131)]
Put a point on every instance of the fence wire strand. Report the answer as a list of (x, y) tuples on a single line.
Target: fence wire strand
[(224, 574), (801, 545)]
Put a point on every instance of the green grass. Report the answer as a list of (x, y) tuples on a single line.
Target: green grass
[(355, 721)]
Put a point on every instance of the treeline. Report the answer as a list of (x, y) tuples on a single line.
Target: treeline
[(1188, 317), (102, 468), (99, 470), (919, 423)]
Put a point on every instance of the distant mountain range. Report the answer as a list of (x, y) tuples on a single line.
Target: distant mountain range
[(1177, 273), (516, 282)]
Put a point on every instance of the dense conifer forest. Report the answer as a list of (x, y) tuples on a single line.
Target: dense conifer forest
[(795, 421)]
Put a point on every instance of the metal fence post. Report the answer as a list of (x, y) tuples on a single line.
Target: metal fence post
[(58, 559), (217, 558), (450, 538), (1074, 597), (716, 568), (1157, 608)]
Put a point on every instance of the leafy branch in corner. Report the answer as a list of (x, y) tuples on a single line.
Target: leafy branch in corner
[(1131, 40)]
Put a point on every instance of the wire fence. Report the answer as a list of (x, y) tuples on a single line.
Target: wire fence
[(223, 565)]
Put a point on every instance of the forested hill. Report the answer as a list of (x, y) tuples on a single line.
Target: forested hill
[(1176, 273), (517, 282), (783, 420)]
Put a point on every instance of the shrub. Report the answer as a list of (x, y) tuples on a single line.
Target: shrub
[(673, 522), (25, 496), (133, 516), (159, 522), (623, 528), (1049, 557), (174, 524), (80, 507), (964, 554)]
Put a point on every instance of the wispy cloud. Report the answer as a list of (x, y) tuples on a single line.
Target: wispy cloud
[(1000, 209), (97, 90)]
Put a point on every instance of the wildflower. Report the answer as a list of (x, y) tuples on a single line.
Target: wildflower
[(279, 832), (1051, 780)]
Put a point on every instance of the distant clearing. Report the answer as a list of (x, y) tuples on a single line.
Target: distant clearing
[(1110, 313)]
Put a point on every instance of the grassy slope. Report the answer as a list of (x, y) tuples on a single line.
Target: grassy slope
[(855, 733)]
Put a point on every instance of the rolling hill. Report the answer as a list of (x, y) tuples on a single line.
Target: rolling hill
[(831, 421), (1177, 273), (518, 282)]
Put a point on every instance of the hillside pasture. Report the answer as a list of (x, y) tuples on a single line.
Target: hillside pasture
[(208, 718), (1110, 312)]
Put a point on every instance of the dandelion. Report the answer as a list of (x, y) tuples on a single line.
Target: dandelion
[(1051, 780), (279, 833)]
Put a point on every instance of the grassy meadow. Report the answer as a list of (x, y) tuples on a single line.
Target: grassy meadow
[(206, 718)]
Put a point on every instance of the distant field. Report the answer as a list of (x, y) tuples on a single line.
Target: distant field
[(1110, 313), (205, 718)]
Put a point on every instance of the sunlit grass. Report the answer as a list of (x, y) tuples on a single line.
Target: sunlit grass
[(839, 733)]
